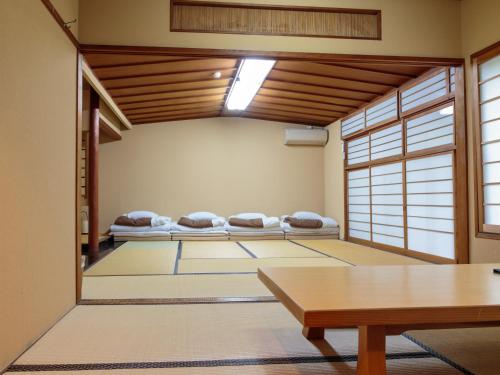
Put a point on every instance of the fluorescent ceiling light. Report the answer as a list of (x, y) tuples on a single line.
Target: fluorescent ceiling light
[(250, 77)]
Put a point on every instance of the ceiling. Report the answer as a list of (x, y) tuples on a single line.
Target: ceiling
[(154, 88)]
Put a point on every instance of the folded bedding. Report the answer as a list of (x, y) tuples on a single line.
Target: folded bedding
[(303, 223), (145, 229), (176, 227), (324, 230), (235, 229), (252, 221), (246, 223), (199, 222), (128, 222), (187, 222), (142, 219), (308, 222)]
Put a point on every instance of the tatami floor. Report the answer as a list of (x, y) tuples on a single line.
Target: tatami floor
[(190, 269), (197, 307)]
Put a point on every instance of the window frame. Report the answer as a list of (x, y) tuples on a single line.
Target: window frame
[(460, 171), (482, 230)]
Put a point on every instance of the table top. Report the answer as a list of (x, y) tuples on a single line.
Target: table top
[(351, 296)]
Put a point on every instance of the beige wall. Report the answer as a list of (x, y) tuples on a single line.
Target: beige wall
[(37, 174), (409, 27), (334, 177), (480, 29), (69, 11), (224, 165)]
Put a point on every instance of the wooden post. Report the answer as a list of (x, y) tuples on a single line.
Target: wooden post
[(93, 183)]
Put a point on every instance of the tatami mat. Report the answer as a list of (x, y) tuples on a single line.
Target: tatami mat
[(170, 286), (212, 249), (417, 366), (476, 349), (140, 245), (358, 254), (200, 266), (220, 334), (279, 249), (138, 258)]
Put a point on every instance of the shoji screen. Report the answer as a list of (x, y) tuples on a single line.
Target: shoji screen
[(358, 183), (387, 204), (430, 205), (358, 151), (387, 142), (383, 112), (489, 117), (353, 124), (432, 129), (424, 92)]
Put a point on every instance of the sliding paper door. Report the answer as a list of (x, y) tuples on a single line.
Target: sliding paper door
[(430, 205), (387, 204), (359, 204)]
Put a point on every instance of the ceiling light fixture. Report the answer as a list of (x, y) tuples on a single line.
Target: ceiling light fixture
[(217, 75), (249, 78)]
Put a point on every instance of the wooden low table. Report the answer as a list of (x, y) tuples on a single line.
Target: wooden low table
[(386, 300)]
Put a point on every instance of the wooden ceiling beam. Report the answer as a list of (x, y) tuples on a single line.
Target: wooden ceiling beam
[(165, 80), (165, 73), (301, 103), (296, 56), (98, 60), (194, 104), (176, 112), (364, 97), (290, 117), (223, 85), (99, 68), (175, 101), (164, 87), (283, 119), (179, 94), (387, 85), (296, 109), (177, 118), (303, 116), (412, 70), (372, 70), (318, 98), (300, 78)]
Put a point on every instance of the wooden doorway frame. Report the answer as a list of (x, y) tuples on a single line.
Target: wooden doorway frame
[(321, 57)]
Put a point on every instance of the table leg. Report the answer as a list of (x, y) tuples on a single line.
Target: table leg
[(371, 351), (313, 333)]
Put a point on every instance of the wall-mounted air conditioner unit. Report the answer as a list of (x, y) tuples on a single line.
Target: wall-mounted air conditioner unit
[(306, 137)]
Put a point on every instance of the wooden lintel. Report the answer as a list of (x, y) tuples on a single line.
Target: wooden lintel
[(99, 88)]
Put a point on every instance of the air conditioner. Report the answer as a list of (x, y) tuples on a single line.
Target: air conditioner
[(306, 137)]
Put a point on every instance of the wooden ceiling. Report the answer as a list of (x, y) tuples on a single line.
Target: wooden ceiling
[(154, 88)]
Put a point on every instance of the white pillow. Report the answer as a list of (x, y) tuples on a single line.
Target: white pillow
[(271, 222), (307, 215), (201, 215), (141, 214), (250, 215), (160, 220), (329, 222), (218, 222)]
